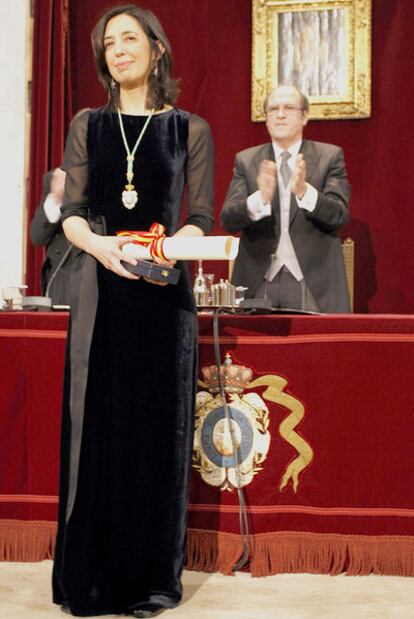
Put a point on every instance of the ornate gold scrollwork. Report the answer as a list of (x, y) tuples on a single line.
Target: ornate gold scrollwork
[(354, 98)]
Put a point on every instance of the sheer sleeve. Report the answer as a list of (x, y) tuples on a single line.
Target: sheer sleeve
[(200, 175), (75, 164)]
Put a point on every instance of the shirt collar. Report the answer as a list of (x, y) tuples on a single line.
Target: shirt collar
[(293, 150)]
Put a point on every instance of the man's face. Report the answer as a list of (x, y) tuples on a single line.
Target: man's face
[(284, 117)]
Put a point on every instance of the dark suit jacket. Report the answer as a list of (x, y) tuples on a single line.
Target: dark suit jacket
[(314, 235), (42, 232)]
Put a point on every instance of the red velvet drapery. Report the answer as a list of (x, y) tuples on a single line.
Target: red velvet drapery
[(353, 507), (211, 40), (51, 107)]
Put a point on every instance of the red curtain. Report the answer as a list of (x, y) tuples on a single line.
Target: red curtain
[(51, 109), (211, 40)]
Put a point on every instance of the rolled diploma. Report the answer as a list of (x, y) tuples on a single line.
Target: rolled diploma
[(190, 248)]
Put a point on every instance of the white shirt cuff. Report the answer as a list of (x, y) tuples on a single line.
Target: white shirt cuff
[(256, 209), (309, 199), (52, 208)]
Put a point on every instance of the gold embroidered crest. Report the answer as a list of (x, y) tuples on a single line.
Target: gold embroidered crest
[(213, 449), (213, 455)]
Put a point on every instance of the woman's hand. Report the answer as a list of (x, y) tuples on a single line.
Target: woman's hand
[(187, 230), (107, 249)]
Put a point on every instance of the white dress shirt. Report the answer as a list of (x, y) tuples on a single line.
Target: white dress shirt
[(285, 253), (51, 207)]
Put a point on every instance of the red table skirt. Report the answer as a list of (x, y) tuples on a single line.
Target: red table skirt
[(330, 486)]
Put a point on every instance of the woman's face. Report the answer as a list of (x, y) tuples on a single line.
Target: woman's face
[(128, 52)]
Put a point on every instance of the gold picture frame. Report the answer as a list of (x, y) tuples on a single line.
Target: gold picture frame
[(322, 46)]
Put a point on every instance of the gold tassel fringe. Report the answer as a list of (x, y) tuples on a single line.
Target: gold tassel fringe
[(301, 552), (25, 540), (271, 553)]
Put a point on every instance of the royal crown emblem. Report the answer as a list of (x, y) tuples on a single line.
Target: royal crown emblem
[(230, 449), (235, 378)]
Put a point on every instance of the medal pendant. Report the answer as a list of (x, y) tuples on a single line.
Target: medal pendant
[(129, 198)]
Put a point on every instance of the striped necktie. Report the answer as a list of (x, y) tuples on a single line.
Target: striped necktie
[(285, 170)]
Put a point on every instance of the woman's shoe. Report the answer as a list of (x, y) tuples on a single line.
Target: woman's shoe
[(151, 610)]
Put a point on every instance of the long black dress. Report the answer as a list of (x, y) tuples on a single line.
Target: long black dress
[(130, 373)]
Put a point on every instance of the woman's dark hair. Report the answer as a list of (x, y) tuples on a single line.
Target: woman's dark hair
[(162, 88)]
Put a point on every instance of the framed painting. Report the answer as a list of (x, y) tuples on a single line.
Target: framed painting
[(321, 46)]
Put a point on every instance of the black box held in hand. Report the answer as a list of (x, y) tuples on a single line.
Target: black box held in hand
[(152, 270)]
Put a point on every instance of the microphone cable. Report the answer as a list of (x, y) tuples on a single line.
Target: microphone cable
[(243, 514), (59, 266)]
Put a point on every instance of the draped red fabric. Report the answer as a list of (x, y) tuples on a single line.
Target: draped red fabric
[(51, 107), (211, 41), (343, 423)]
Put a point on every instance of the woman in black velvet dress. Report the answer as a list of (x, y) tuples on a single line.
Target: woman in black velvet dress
[(130, 373)]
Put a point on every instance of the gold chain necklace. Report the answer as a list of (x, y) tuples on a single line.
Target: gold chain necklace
[(130, 195)]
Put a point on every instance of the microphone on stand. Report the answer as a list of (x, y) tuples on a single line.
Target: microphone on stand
[(44, 303), (263, 304), (59, 266)]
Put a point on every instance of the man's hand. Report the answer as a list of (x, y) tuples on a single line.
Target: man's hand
[(299, 177), (57, 184), (267, 180)]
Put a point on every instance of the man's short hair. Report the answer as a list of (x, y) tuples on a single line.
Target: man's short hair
[(304, 101)]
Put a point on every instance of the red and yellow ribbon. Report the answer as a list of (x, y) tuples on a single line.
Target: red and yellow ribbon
[(154, 239)]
